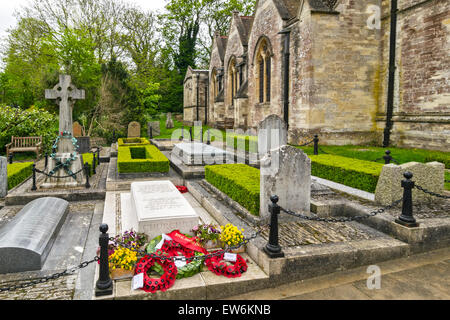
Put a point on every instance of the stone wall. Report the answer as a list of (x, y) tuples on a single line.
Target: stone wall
[(336, 59), (268, 23), (422, 91)]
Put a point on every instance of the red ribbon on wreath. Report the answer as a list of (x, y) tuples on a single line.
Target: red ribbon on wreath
[(182, 189), (174, 249), (167, 279), (218, 267)]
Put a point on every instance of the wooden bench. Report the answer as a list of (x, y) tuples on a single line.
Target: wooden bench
[(24, 144)]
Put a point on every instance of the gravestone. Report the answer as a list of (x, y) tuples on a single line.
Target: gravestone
[(3, 177), (26, 240), (158, 207), (77, 129), (156, 129), (272, 134), (169, 121), (427, 175), (66, 94), (286, 172), (134, 130), (199, 154)]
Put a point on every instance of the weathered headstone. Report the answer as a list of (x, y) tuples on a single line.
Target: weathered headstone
[(156, 129), (66, 94), (158, 207), (3, 177), (26, 240), (169, 121), (427, 175), (134, 130), (272, 134), (286, 172), (77, 129)]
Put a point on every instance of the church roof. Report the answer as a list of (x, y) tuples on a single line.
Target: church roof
[(288, 9), (221, 43), (244, 26)]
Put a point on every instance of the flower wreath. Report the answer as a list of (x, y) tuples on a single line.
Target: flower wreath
[(172, 248), (167, 279), (218, 267), (64, 165)]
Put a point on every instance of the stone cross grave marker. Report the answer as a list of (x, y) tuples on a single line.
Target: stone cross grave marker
[(65, 93), (3, 177), (134, 130)]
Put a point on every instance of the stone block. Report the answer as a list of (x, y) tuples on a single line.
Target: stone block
[(427, 175), (26, 240)]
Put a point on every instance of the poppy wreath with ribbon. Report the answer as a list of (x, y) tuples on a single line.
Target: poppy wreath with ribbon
[(174, 249), (167, 279), (219, 267)]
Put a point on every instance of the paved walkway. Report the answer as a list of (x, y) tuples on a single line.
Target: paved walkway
[(422, 277)]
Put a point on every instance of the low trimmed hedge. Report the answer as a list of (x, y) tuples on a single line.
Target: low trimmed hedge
[(242, 142), (18, 173), (239, 181), (439, 157), (130, 142), (144, 158), (359, 174)]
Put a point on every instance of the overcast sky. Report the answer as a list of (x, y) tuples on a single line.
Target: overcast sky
[(7, 8)]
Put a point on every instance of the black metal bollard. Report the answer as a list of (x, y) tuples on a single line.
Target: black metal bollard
[(190, 132), (201, 135), (272, 248), (11, 158), (98, 155), (114, 136), (182, 133), (87, 171), (104, 285), (93, 163), (316, 145), (34, 188), (407, 219), (46, 159), (387, 157), (151, 132), (208, 137)]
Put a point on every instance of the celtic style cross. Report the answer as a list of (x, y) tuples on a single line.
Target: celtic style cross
[(65, 93)]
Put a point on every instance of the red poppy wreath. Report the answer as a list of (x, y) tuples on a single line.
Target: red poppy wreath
[(167, 279), (217, 266)]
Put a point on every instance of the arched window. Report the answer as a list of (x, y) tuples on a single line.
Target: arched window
[(263, 70), (232, 85)]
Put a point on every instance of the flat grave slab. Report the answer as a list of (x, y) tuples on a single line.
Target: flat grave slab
[(26, 240), (157, 207), (200, 154)]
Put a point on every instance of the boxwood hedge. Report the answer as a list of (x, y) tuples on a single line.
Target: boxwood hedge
[(129, 142), (144, 158), (359, 174), (239, 181), (18, 173)]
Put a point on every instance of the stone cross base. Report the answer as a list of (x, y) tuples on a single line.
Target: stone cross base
[(54, 182)]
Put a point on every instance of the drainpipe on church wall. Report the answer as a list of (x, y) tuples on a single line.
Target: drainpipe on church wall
[(198, 93), (286, 55), (391, 79)]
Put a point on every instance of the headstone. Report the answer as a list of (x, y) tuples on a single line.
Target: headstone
[(156, 130), (286, 172), (158, 207), (427, 175), (77, 129), (66, 94), (200, 154), (84, 144), (134, 130), (27, 239), (272, 134), (169, 121), (3, 177)]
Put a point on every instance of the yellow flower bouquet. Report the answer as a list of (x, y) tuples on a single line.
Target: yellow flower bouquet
[(232, 236)]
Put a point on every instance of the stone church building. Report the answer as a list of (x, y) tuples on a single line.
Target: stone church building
[(330, 67)]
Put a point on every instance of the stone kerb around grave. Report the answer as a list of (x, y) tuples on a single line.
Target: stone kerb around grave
[(427, 175)]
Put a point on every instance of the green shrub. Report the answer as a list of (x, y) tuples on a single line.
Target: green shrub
[(359, 174), (129, 142), (243, 142), (89, 158), (152, 161), (239, 181), (18, 173)]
